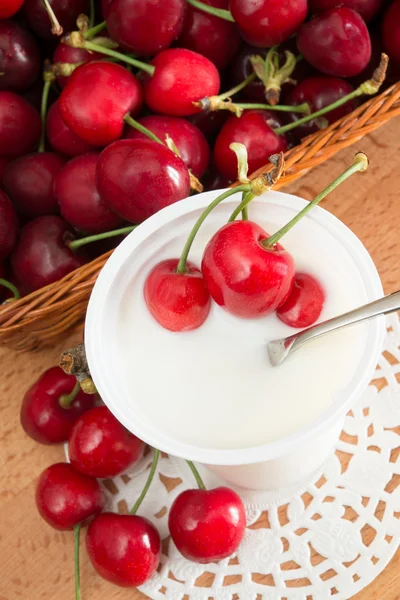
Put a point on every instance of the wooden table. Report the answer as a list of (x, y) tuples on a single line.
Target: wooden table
[(36, 561)]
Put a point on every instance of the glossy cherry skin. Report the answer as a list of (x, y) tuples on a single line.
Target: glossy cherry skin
[(41, 255), (266, 23), (145, 27), (366, 8), (209, 123), (66, 11), (254, 129), (29, 182), (177, 301), (60, 136), (181, 78), (65, 497), (241, 275), (3, 163), (78, 180), (8, 225), (391, 31), (100, 446), (19, 57), (137, 178), (192, 145), (96, 99), (336, 42), (20, 126), (207, 525), (304, 303), (210, 36), (42, 415), (124, 549), (69, 55), (8, 8)]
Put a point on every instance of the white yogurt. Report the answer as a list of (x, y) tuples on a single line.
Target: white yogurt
[(214, 387)]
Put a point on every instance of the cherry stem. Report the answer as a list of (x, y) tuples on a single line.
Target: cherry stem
[(11, 287), (91, 14), (122, 57), (245, 214), (77, 531), (237, 88), (246, 199), (181, 268), (93, 31), (197, 475), (56, 28), (299, 108), (211, 10), (139, 127), (43, 113), (75, 244), (66, 400), (150, 478), (360, 164)]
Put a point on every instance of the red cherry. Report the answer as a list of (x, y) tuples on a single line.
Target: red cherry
[(336, 42), (44, 417), (242, 276), (29, 182), (105, 6), (181, 77), (192, 145), (216, 181), (60, 136), (304, 303), (366, 8), (137, 178), (266, 23), (209, 123), (3, 164), (20, 126), (178, 301), (133, 25), (254, 129), (65, 497), (96, 99), (8, 226), (8, 8), (391, 30), (100, 446), (124, 549), (19, 57), (209, 35), (207, 525), (66, 11), (41, 255), (69, 55), (78, 180)]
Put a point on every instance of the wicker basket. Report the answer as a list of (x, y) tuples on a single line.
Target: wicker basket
[(42, 317)]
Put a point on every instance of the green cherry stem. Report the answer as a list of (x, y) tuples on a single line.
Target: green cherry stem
[(122, 57), (136, 125), (197, 475), (247, 198), (56, 28), (93, 31), (299, 108), (77, 532), (238, 88), (91, 14), (211, 10), (10, 286), (360, 164), (66, 400), (48, 79), (156, 457), (75, 244)]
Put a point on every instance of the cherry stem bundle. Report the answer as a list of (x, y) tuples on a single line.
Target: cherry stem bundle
[(212, 10), (242, 208), (87, 45), (197, 475), (156, 457), (56, 28), (10, 286), (66, 400), (75, 244), (48, 79), (77, 531)]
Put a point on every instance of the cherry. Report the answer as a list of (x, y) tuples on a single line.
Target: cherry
[(254, 129), (52, 405), (66, 11), (391, 30), (100, 446), (137, 178), (105, 5), (20, 126), (29, 182), (366, 8), (215, 180), (19, 57), (336, 42), (67, 54), (41, 255), (207, 525), (78, 180), (96, 99), (3, 164), (304, 303), (209, 122), (60, 136), (8, 8), (124, 549), (132, 24), (190, 142), (65, 497), (8, 226), (209, 35), (267, 23)]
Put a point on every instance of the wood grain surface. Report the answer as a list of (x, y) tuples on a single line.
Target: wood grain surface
[(36, 561)]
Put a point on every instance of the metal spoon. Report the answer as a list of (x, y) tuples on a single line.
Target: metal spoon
[(278, 350)]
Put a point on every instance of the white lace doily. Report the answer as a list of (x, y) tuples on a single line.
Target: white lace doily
[(328, 539)]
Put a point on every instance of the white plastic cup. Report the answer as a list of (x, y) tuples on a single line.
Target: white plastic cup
[(270, 466)]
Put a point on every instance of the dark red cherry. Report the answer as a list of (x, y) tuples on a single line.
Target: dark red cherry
[(29, 182), (336, 42), (41, 255), (209, 35), (191, 143), (304, 303), (366, 8), (105, 5), (19, 57), (96, 99), (66, 11), (137, 178), (77, 180), (145, 27), (214, 180), (266, 23), (60, 136), (209, 122), (69, 55), (20, 126), (254, 129), (391, 31), (3, 163), (181, 77), (8, 226), (8, 8)]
